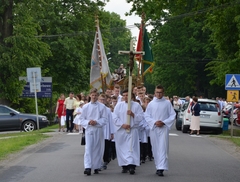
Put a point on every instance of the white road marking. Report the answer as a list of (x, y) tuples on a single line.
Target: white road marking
[(173, 134), (195, 135), (73, 134)]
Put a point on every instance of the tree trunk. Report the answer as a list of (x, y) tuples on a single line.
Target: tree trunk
[(6, 17)]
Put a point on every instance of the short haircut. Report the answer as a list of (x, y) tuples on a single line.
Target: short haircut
[(147, 99), (195, 99), (103, 96), (116, 86), (114, 97), (139, 87), (93, 90), (79, 96), (108, 96), (125, 91), (132, 94), (159, 87), (150, 96)]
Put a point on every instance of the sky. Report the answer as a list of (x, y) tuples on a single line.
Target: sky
[(121, 7)]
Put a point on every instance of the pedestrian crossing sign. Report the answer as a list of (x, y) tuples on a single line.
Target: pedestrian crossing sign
[(232, 96), (232, 82)]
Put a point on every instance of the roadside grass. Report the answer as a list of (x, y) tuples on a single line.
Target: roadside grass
[(226, 135), (22, 133), (13, 142)]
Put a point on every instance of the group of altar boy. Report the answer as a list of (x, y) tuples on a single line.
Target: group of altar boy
[(151, 117)]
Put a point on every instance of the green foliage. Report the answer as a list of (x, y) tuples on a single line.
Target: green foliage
[(195, 43), (56, 35)]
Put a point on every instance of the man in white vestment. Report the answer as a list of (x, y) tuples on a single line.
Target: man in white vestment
[(107, 132), (116, 92), (160, 116), (93, 118), (127, 143)]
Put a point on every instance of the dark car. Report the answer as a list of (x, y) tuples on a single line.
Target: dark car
[(10, 119)]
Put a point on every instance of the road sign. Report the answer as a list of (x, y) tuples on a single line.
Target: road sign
[(46, 88), (232, 95), (232, 82), (34, 73)]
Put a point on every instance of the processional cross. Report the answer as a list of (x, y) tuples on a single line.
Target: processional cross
[(131, 54)]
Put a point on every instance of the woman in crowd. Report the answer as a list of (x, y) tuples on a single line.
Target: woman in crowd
[(59, 110), (195, 119), (75, 106)]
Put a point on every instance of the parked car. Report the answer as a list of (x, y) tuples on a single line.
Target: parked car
[(10, 119), (227, 111), (210, 116), (179, 119)]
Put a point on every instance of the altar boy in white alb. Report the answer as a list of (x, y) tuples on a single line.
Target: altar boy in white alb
[(160, 116), (93, 118), (127, 143)]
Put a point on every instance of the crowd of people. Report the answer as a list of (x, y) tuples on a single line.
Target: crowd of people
[(102, 118)]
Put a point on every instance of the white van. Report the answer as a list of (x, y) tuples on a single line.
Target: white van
[(210, 116)]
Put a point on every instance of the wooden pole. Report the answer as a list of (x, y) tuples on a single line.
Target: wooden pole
[(142, 44), (99, 53), (131, 65)]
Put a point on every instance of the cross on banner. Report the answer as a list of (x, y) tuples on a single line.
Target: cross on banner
[(131, 64)]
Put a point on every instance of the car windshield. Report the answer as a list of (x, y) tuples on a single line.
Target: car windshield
[(6, 110), (185, 105), (208, 106)]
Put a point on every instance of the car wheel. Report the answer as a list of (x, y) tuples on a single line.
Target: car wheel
[(29, 126), (178, 127), (184, 129), (237, 122)]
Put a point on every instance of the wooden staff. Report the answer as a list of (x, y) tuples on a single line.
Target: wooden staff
[(131, 65)]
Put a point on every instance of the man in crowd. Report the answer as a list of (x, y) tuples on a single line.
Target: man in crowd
[(126, 135), (69, 106), (93, 118), (160, 116), (116, 92), (108, 132)]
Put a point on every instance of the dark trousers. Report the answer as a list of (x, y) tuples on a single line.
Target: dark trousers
[(106, 151), (150, 155), (143, 151), (69, 119), (113, 153)]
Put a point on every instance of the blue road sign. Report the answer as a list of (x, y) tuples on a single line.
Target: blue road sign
[(46, 88), (232, 82)]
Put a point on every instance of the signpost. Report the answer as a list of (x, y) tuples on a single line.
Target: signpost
[(232, 86), (34, 76)]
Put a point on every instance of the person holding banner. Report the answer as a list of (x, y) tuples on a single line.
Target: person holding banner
[(126, 135)]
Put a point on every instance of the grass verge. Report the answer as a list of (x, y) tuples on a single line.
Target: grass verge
[(226, 135), (14, 142)]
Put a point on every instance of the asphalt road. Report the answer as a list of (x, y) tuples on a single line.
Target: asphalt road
[(60, 159)]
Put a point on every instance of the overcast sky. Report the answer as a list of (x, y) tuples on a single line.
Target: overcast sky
[(121, 7)]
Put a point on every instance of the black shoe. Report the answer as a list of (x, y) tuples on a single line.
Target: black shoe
[(131, 171), (159, 172), (96, 171), (87, 171), (124, 170), (143, 161)]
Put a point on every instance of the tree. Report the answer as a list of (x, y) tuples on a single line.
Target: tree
[(181, 44)]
